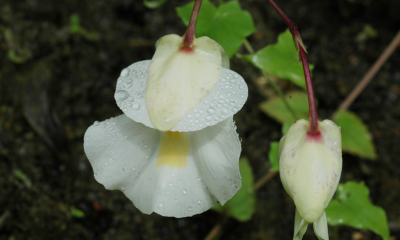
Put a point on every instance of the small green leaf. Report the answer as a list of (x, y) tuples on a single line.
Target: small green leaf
[(154, 4), (276, 108), (76, 212), (228, 24), (243, 205), (355, 136), (285, 127), (352, 208), (273, 157), (280, 59), (74, 23), (19, 174)]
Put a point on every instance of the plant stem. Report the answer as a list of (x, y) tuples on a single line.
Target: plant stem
[(248, 46), (313, 114), (191, 30), (280, 94), (371, 73)]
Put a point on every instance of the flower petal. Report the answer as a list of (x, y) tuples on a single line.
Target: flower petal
[(300, 227), (321, 228), (178, 80), (159, 173), (226, 98), (118, 150), (217, 157)]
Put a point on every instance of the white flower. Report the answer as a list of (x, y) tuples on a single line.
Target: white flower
[(310, 165), (175, 151)]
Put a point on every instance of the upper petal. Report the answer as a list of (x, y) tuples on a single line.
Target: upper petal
[(178, 80), (225, 99), (217, 157)]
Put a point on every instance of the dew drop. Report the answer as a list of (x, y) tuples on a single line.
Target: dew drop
[(123, 188), (211, 110), (225, 112), (96, 123), (160, 205), (136, 106), (198, 201), (190, 209), (170, 184), (184, 191), (121, 95), (208, 118), (139, 95), (125, 72)]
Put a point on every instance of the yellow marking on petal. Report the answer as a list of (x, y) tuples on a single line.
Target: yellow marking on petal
[(174, 150)]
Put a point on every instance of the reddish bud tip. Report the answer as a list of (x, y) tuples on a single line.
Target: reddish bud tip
[(314, 136)]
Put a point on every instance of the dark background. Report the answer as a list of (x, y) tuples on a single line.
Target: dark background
[(48, 102)]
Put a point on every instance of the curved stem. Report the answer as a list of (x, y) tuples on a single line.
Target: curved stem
[(191, 30), (313, 114)]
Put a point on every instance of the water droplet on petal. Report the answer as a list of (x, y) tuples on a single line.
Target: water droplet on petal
[(121, 95), (160, 205), (136, 106), (225, 112), (125, 72), (184, 191), (211, 110), (96, 123)]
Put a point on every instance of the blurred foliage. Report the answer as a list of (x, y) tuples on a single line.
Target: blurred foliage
[(273, 157), (276, 108), (352, 207), (355, 136), (227, 24), (22, 176), (367, 33), (280, 59), (76, 212), (154, 4), (76, 28), (243, 205)]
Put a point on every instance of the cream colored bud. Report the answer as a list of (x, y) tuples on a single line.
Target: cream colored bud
[(310, 166)]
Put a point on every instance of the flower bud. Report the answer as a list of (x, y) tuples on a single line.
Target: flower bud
[(310, 166)]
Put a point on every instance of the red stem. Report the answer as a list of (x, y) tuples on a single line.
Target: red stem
[(312, 106), (191, 30), (313, 114)]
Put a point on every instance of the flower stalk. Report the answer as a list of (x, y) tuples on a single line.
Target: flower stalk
[(313, 114), (187, 43)]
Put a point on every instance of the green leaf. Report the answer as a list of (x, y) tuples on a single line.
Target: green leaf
[(273, 157), (228, 24), (74, 23), (285, 127), (352, 208), (280, 59), (76, 212), (355, 136), (154, 4), (276, 108), (243, 205), (22, 176)]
